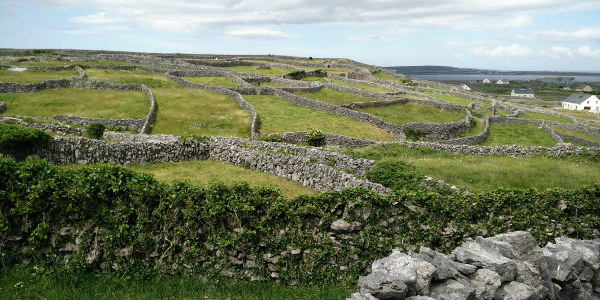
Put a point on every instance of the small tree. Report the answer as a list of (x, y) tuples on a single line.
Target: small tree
[(315, 137), (95, 131)]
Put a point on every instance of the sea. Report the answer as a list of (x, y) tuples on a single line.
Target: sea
[(479, 77)]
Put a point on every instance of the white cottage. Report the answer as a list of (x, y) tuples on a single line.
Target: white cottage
[(523, 93), (501, 81), (582, 102), (465, 87)]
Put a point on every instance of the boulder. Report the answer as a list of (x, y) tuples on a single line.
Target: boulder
[(382, 285), (452, 290), (516, 291), (445, 267), (474, 253), (414, 272), (486, 282)]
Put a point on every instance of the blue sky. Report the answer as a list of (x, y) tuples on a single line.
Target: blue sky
[(553, 35)]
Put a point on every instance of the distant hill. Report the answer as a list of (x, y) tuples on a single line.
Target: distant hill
[(438, 70)]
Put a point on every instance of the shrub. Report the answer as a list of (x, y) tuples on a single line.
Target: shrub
[(95, 131), (271, 138), (19, 136), (413, 134), (315, 137), (297, 74), (395, 174)]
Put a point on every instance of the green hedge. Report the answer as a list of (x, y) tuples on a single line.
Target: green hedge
[(182, 228), (19, 141)]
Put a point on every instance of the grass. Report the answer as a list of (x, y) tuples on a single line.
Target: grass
[(486, 173), (319, 79), (60, 62), (218, 81), (363, 86), (454, 99), (199, 112), (577, 134), (113, 104), (385, 76), (278, 115), (336, 97), (581, 114), (25, 282), (208, 171), (272, 71), (545, 117), (520, 135), (477, 129), (150, 79), (413, 112), (31, 76)]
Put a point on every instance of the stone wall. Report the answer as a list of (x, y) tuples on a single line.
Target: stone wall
[(505, 266), (331, 140), (2, 107), (13, 87), (558, 150), (52, 128), (471, 140), (122, 124)]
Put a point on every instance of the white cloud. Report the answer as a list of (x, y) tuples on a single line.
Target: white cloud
[(99, 18), (589, 34), (588, 52), (557, 52), (256, 33), (202, 15), (500, 51), (369, 38)]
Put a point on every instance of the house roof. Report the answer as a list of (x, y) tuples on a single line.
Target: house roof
[(582, 86), (577, 98), (522, 91)]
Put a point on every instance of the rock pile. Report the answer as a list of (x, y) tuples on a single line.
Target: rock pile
[(506, 266)]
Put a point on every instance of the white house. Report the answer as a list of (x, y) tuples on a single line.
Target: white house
[(582, 102), (522, 92), (487, 81), (465, 87), (500, 81)]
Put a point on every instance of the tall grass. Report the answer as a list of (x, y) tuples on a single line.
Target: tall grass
[(520, 135), (278, 115), (208, 171), (485, 173), (112, 104), (150, 79), (31, 76), (576, 133), (413, 112), (477, 129), (545, 117), (336, 97), (218, 81), (199, 112), (25, 282)]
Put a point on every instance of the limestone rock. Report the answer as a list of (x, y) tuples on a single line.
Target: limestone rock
[(475, 254), (452, 290), (486, 282), (382, 285), (341, 225)]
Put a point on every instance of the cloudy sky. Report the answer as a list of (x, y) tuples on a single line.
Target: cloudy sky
[(556, 35)]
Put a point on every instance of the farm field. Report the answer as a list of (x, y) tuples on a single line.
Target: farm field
[(413, 112), (520, 135), (336, 97), (32, 76)]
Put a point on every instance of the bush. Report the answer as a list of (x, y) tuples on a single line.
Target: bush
[(297, 74), (395, 174), (15, 136), (315, 137), (413, 134), (271, 138), (95, 131)]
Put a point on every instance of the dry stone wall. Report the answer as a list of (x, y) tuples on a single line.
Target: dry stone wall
[(116, 124), (505, 266), (13, 87)]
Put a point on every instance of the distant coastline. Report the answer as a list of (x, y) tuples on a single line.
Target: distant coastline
[(443, 73)]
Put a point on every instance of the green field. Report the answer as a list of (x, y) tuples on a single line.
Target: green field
[(486, 173), (278, 115), (152, 80), (199, 112), (545, 117), (61, 62), (576, 133), (208, 171), (477, 127), (336, 97), (31, 76), (457, 100), (413, 112), (520, 135), (27, 282), (107, 104), (218, 81), (272, 71)]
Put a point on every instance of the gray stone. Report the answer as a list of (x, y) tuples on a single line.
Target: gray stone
[(516, 291), (382, 285), (452, 290), (341, 225), (486, 282), (2, 107), (413, 272), (564, 264), (475, 254), (445, 268)]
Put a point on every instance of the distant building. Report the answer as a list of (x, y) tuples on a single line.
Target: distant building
[(558, 79), (566, 88), (584, 88), (522, 93), (465, 87), (500, 81), (579, 101), (487, 81)]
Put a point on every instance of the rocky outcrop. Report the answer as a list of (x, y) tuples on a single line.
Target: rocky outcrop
[(506, 266)]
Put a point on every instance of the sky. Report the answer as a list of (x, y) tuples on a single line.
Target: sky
[(536, 35)]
